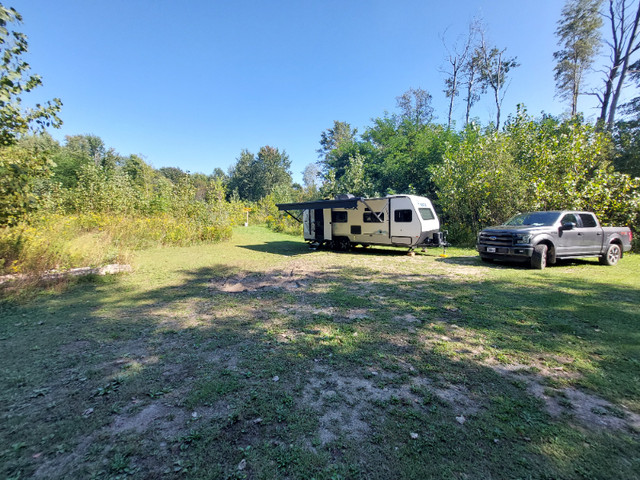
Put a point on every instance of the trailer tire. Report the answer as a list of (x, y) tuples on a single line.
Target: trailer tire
[(341, 244), (345, 244), (612, 255), (539, 257)]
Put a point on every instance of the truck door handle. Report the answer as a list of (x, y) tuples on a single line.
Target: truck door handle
[(599, 233), (579, 234)]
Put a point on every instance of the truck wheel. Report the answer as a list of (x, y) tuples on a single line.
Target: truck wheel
[(486, 259), (539, 257), (612, 255)]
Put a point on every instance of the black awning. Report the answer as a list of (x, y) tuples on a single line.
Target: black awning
[(346, 203)]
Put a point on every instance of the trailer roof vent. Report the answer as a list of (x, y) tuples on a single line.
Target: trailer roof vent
[(344, 196)]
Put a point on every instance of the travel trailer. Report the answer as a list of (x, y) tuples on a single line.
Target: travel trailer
[(395, 220)]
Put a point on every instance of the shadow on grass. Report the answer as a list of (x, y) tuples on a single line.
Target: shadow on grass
[(287, 248), (257, 366), (518, 265)]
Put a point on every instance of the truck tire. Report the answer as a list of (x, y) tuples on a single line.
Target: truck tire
[(486, 259), (612, 255), (539, 257)]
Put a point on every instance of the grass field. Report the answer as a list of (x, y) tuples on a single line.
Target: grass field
[(259, 358)]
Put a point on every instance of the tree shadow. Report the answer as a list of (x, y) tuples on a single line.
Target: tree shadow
[(286, 248), (219, 353)]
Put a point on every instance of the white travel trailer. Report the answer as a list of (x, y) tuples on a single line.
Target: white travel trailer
[(396, 220)]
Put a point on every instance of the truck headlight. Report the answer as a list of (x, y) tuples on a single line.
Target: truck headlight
[(523, 238)]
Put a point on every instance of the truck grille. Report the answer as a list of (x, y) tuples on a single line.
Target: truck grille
[(498, 239)]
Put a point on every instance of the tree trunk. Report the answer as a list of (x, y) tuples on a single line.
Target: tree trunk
[(470, 87), (623, 73), (454, 87)]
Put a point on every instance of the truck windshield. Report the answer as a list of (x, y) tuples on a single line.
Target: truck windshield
[(536, 219)]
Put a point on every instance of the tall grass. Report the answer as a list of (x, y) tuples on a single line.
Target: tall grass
[(60, 242)]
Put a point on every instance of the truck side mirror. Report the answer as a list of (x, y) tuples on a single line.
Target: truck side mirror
[(568, 226)]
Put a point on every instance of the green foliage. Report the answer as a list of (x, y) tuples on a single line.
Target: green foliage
[(58, 241), (478, 184), (579, 37), (15, 80), (255, 176), (333, 138), (415, 106), (533, 165), (405, 152), (627, 147), (20, 169)]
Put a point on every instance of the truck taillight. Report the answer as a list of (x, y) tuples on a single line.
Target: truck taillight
[(630, 237)]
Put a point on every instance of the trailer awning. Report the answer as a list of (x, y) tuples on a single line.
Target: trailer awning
[(346, 203)]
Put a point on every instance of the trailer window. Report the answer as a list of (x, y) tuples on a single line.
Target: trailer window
[(339, 217), (403, 216), (370, 217), (587, 220), (426, 214)]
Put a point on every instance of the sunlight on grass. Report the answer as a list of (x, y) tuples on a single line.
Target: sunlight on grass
[(412, 365)]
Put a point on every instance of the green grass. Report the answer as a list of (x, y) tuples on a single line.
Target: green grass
[(370, 364)]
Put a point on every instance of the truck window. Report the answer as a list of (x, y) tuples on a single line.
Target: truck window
[(569, 218), (536, 219), (403, 216), (587, 220), (426, 214), (369, 217), (339, 217)]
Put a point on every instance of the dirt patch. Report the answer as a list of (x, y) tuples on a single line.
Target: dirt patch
[(294, 276), (156, 415), (343, 402), (74, 272), (588, 410)]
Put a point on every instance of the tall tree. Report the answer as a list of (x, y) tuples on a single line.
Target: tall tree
[(20, 166), (332, 138), (15, 80), (494, 66), (458, 73), (255, 176), (310, 177), (337, 144), (579, 37), (415, 106), (472, 84), (623, 19)]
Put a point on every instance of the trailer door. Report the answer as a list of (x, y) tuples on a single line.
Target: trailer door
[(405, 226), (318, 222)]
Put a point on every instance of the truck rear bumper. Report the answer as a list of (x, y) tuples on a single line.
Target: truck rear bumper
[(502, 252)]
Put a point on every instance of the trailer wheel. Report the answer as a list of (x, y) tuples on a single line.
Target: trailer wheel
[(612, 255), (539, 257), (341, 244), (344, 245)]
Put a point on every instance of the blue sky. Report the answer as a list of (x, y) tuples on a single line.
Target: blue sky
[(190, 84)]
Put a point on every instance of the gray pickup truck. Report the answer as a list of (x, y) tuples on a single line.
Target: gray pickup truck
[(543, 237)]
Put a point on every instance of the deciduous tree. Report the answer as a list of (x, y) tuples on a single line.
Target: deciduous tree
[(494, 66), (623, 18), (579, 37), (15, 80), (415, 106)]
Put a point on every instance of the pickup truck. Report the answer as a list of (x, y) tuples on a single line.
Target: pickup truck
[(541, 238)]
